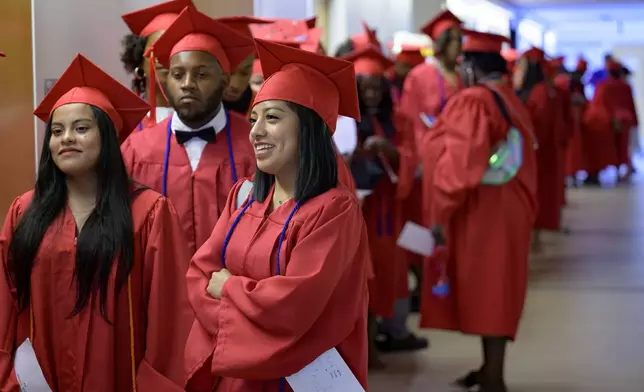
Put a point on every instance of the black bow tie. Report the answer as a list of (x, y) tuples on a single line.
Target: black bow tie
[(207, 134)]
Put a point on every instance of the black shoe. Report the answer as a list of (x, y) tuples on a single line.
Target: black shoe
[(410, 343), (471, 380)]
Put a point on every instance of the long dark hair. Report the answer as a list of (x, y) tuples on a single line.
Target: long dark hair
[(533, 76), (318, 169), (384, 114), (106, 236), (345, 48)]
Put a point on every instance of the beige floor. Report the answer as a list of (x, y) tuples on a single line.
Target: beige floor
[(583, 325)]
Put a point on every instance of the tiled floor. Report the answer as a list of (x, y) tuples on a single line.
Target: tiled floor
[(583, 325)]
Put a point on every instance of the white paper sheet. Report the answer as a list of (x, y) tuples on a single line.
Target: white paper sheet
[(346, 135), (328, 373), (28, 369), (417, 239)]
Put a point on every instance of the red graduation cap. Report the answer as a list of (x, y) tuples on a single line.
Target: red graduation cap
[(365, 39), (440, 23), (476, 41), (369, 61), (323, 84), (194, 31), (411, 55), (291, 32), (242, 24), (84, 82), (155, 18), (535, 55), (2, 54), (582, 65)]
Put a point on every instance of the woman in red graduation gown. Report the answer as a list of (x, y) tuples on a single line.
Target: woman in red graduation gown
[(195, 156), (484, 225), (558, 78), (426, 91), (283, 279), (91, 266), (612, 112), (146, 26), (539, 98), (385, 142), (574, 152)]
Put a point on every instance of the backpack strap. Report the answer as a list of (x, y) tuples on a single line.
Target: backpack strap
[(244, 191)]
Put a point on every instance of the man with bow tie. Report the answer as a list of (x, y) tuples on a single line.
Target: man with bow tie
[(195, 156)]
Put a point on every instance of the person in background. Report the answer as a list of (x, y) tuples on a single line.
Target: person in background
[(476, 283), (575, 151), (408, 58), (146, 26), (384, 162), (91, 264), (195, 156), (368, 38), (238, 95), (557, 77), (426, 90), (534, 91), (613, 101), (283, 277)]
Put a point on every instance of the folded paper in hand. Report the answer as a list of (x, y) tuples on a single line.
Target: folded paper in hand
[(28, 371), (328, 373), (416, 239)]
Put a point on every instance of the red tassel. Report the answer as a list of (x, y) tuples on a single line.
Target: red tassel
[(152, 88)]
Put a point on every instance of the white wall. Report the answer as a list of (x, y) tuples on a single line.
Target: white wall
[(482, 15), (289, 9), (388, 16)]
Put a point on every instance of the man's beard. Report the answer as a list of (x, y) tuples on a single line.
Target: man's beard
[(201, 115)]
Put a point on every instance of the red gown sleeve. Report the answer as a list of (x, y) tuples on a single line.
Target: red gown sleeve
[(169, 315), (407, 161), (127, 151), (261, 323), (464, 159), (8, 306)]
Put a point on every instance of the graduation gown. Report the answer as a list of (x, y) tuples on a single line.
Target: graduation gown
[(84, 352), (563, 134), (266, 327), (542, 106), (487, 228), (382, 212), (198, 196), (425, 91), (574, 156), (614, 97)]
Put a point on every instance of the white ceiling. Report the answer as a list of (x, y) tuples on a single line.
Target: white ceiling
[(550, 3)]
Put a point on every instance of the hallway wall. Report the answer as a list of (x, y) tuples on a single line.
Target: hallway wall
[(16, 103)]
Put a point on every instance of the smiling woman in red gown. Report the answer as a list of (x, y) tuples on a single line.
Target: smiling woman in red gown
[(283, 277), (91, 265), (484, 224)]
